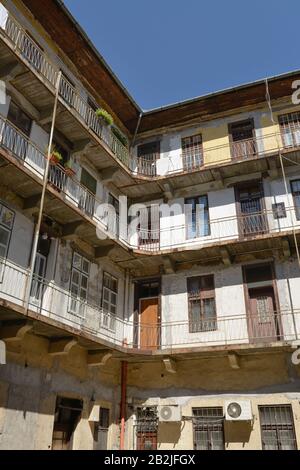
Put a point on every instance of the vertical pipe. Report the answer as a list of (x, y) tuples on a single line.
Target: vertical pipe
[(39, 221), (124, 365)]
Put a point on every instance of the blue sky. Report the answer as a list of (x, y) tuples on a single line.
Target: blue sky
[(165, 51)]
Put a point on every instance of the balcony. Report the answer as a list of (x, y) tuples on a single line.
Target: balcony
[(21, 44), (33, 160), (253, 224), (29, 53), (57, 307)]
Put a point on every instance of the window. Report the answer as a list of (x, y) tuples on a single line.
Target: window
[(197, 217), (101, 430), (202, 307), (146, 428), (208, 428), (147, 156), (149, 228), (290, 129), (87, 199), (295, 185), (277, 428), (109, 300), (113, 222), (79, 283), (192, 153), (20, 119), (243, 144), (6, 225)]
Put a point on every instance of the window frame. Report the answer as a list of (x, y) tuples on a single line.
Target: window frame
[(81, 273), (206, 226), (8, 229), (276, 426), (16, 123), (296, 207), (200, 297), (109, 317), (205, 425), (191, 152)]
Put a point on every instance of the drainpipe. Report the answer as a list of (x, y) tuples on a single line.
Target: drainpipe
[(124, 365), (39, 221), (136, 130)]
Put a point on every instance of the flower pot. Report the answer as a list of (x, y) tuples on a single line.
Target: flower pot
[(70, 172), (54, 160)]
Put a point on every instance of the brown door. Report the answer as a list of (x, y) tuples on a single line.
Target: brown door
[(252, 216), (263, 320), (147, 440), (149, 328)]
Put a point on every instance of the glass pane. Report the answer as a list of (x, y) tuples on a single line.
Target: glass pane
[(4, 236), (84, 282), (287, 440), (217, 442), (85, 266), (77, 261), (269, 439), (7, 217), (201, 440), (75, 277)]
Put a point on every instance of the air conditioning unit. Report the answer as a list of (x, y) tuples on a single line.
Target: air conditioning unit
[(239, 410), (169, 413)]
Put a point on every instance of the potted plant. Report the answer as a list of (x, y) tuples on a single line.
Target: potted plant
[(105, 116), (68, 169), (121, 137), (55, 157)]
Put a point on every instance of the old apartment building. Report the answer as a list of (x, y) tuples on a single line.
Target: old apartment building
[(174, 334)]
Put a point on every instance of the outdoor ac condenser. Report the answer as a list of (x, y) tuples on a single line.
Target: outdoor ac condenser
[(169, 413), (238, 410)]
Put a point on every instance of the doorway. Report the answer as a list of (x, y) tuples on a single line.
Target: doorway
[(263, 314), (147, 316), (67, 415), (252, 219)]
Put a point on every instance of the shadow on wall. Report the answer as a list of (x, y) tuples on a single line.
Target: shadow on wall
[(169, 433), (237, 432)]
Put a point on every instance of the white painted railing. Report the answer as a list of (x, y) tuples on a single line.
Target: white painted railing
[(55, 303), (159, 166)]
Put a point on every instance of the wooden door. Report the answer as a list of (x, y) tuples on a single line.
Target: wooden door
[(263, 321), (149, 319), (147, 440), (252, 217)]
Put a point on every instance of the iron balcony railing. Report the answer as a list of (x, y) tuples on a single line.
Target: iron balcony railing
[(154, 165), (202, 229), (33, 55), (25, 151), (57, 304)]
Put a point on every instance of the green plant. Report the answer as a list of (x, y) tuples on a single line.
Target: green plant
[(120, 136), (103, 114), (56, 156)]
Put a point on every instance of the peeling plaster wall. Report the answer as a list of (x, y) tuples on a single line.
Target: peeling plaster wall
[(30, 383), (210, 382)]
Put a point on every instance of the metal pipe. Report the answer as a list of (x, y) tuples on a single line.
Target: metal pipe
[(124, 365), (41, 209)]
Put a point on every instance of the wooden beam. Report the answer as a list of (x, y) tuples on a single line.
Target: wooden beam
[(61, 347)]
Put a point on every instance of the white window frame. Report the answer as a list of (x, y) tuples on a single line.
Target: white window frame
[(81, 266), (109, 307), (7, 228)]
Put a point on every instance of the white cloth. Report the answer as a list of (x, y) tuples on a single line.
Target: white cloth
[(3, 16)]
